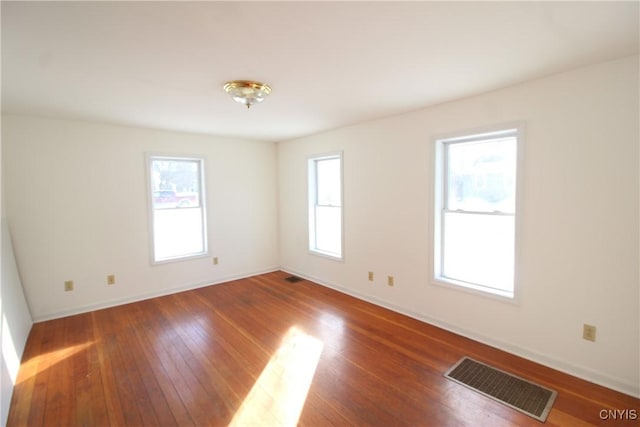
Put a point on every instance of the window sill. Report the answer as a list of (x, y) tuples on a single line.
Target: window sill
[(328, 255), (180, 258), (471, 288)]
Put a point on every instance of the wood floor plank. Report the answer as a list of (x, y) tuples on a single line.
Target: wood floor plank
[(193, 358), (120, 398), (166, 342), (79, 340), (152, 351), (93, 380), (25, 382), (219, 398), (52, 344)]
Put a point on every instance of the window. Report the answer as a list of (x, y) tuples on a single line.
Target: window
[(177, 207), (475, 200), (325, 205)]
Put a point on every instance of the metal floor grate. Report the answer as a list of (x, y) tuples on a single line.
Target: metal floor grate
[(515, 392)]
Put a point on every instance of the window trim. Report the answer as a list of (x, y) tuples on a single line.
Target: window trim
[(149, 157), (439, 192), (312, 198)]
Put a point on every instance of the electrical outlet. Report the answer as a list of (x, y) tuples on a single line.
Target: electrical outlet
[(111, 279), (370, 276), (215, 260), (68, 285), (390, 280), (589, 332)]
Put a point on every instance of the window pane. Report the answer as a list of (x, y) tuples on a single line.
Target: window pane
[(481, 176), (325, 200), (328, 182), (175, 183), (177, 233), (329, 229), (177, 208), (479, 249)]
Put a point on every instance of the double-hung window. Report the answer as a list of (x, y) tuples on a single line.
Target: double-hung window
[(475, 215), (325, 205), (177, 208)]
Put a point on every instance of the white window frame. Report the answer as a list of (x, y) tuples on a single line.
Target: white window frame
[(150, 157), (439, 205), (313, 204)]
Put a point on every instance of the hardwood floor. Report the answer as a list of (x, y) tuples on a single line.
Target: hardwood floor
[(247, 352)]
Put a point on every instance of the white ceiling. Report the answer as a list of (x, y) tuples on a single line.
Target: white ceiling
[(330, 64)]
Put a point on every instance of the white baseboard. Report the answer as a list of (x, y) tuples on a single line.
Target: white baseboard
[(562, 366), (145, 296)]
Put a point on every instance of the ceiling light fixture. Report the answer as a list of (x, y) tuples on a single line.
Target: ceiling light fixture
[(247, 92)]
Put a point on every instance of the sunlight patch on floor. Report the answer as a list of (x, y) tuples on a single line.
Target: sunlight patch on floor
[(35, 365), (278, 396)]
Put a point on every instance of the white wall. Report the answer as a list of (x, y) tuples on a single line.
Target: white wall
[(15, 318), (76, 196), (579, 215), (15, 323)]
